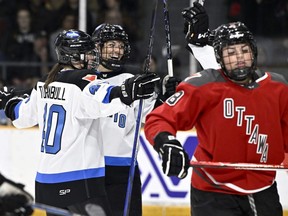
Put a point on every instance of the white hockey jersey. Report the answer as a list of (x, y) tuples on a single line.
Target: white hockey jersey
[(118, 130), (68, 113)]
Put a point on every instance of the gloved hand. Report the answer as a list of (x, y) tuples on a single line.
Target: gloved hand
[(196, 24), (13, 198), (175, 161), (140, 86), (5, 95), (15, 204), (11, 103), (167, 87)]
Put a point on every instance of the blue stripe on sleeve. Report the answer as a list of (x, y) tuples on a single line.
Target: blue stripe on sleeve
[(106, 99), (16, 110), (70, 176)]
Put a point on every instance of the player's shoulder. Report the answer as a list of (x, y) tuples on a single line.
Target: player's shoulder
[(205, 77), (79, 78), (278, 77)]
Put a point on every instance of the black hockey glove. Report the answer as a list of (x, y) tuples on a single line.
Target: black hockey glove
[(168, 87), (196, 24), (175, 161), (140, 86), (5, 95), (10, 105), (14, 200)]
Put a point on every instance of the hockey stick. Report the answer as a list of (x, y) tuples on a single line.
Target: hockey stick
[(53, 210), (168, 37), (139, 117), (238, 166)]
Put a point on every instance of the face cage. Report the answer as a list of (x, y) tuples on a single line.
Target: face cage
[(112, 64), (237, 74), (82, 58)]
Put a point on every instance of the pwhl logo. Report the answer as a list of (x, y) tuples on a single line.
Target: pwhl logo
[(155, 184)]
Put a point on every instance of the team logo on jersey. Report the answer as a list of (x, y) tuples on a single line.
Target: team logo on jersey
[(90, 77), (94, 88), (171, 101)]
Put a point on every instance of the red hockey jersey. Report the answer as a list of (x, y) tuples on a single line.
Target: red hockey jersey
[(234, 124)]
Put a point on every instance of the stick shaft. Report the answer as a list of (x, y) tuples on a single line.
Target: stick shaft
[(139, 117), (151, 39), (239, 166), (168, 37)]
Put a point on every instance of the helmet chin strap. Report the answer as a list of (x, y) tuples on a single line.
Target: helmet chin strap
[(111, 64), (239, 74)]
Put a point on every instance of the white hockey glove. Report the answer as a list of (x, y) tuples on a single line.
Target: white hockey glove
[(175, 160), (14, 200)]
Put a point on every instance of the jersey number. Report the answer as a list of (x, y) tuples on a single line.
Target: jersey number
[(54, 124), (121, 119)]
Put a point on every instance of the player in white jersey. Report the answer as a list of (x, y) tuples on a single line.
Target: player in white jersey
[(114, 47), (65, 106)]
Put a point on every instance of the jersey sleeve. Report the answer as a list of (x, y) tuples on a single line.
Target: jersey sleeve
[(94, 101), (26, 112), (179, 112), (205, 56)]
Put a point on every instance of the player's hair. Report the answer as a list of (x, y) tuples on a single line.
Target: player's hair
[(106, 32), (230, 34), (53, 74)]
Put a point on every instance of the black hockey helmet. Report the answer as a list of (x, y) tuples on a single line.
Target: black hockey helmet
[(72, 45), (230, 34), (106, 32)]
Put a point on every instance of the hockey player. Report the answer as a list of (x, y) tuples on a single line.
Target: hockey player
[(67, 107), (114, 47), (240, 114)]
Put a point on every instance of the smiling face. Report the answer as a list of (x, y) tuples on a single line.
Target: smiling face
[(113, 49), (237, 56)]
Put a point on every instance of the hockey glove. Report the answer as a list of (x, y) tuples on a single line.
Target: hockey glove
[(140, 86), (5, 95), (168, 87), (13, 198), (196, 24), (10, 105), (175, 161)]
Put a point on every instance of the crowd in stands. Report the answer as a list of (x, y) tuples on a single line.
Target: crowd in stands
[(263, 17), (28, 29)]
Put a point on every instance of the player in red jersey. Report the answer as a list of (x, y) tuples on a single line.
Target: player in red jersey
[(240, 114)]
